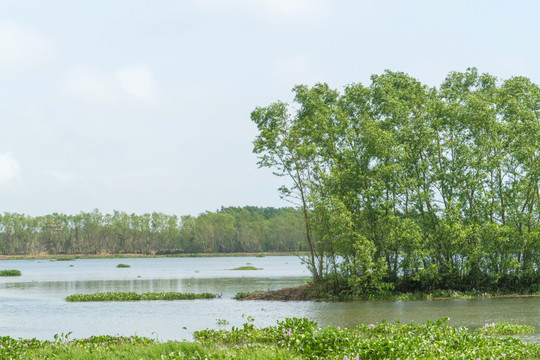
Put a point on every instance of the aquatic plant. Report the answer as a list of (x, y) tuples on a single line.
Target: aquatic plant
[(292, 338), (247, 267), (123, 266), (431, 340), (10, 272), (134, 296), (505, 328)]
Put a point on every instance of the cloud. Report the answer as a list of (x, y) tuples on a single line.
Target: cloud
[(9, 169), (129, 84), (23, 48), (137, 82)]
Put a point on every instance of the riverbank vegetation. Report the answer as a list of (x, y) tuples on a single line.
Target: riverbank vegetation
[(296, 339), (229, 230), (134, 296), (406, 188)]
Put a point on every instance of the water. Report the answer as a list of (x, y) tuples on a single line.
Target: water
[(33, 305)]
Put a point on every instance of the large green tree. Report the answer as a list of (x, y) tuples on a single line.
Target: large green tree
[(407, 186)]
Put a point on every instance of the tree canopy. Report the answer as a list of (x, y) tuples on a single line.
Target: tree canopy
[(232, 229), (408, 187)]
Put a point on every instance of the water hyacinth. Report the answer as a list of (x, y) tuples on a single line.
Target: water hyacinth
[(11, 272), (304, 340), (377, 341), (133, 296)]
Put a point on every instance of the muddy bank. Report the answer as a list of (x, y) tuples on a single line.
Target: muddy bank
[(298, 293)]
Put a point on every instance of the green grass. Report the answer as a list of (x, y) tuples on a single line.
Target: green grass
[(123, 266), (247, 267), (134, 296), (294, 339), (11, 272)]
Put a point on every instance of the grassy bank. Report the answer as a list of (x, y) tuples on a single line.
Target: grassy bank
[(296, 339)]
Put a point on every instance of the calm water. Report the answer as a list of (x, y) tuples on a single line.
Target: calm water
[(33, 305)]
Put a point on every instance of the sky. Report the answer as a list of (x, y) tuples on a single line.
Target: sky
[(143, 106)]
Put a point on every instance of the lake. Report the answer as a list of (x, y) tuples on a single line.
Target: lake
[(33, 304)]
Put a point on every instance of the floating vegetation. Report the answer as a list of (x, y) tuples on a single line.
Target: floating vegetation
[(222, 322), (123, 266), (432, 340), (292, 338), (63, 259), (10, 272), (134, 296), (247, 267), (505, 328)]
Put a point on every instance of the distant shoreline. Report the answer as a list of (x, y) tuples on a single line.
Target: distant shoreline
[(122, 256)]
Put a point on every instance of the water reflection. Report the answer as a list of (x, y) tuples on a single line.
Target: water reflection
[(223, 286)]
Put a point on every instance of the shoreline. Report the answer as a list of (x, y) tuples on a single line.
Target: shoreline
[(306, 293), (131, 256)]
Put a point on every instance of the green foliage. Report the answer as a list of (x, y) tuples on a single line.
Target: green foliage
[(293, 338), (10, 272), (505, 328), (246, 229), (134, 296), (247, 267), (408, 188), (123, 266), (376, 341)]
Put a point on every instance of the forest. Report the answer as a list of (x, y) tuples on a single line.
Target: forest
[(407, 187), (228, 230)]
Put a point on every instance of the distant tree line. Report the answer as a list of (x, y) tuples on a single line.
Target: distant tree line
[(230, 229), (410, 188)]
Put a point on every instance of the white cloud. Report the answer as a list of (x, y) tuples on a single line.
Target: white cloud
[(134, 83), (23, 48), (91, 84), (137, 82), (9, 168)]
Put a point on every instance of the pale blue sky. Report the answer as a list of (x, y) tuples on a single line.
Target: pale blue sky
[(144, 106)]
